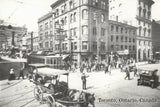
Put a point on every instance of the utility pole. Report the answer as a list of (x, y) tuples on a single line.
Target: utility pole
[(32, 41), (96, 16), (13, 34), (70, 39)]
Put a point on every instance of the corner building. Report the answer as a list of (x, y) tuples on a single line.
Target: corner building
[(122, 37), (136, 13), (85, 28)]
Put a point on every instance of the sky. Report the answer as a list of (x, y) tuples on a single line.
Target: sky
[(27, 12)]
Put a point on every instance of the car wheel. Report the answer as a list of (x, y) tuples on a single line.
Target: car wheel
[(51, 101)]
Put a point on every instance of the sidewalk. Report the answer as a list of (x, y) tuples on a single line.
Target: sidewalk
[(142, 63), (13, 60)]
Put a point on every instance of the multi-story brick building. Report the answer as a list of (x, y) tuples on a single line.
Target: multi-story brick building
[(156, 37), (45, 32), (122, 37), (138, 14), (85, 28)]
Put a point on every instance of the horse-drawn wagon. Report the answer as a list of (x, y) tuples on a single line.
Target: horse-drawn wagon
[(52, 89)]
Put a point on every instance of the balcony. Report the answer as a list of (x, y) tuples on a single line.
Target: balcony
[(143, 19)]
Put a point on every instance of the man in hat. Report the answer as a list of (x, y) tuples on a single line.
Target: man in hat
[(127, 72), (84, 80)]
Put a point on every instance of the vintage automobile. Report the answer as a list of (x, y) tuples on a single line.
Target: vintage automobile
[(50, 89), (148, 77), (32, 67), (152, 61)]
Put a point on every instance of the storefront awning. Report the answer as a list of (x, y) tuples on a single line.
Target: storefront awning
[(64, 57)]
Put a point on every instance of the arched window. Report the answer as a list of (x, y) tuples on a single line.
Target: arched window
[(85, 14), (148, 53), (144, 54), (75, 17), (71, 18), (65, 22), (139, 54), (85, 30), (102, 18)]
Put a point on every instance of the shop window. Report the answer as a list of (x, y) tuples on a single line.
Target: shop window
[(84, 45)]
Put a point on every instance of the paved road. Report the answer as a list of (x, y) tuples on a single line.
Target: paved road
[(110, 91)]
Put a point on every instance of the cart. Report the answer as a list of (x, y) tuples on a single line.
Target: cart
[(50, 89), (148, 77)]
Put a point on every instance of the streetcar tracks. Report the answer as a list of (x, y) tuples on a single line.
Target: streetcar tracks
[(27, 103), (11, 95), (17, 98), (11, 85)]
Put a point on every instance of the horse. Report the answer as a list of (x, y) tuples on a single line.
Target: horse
[(87, 98)]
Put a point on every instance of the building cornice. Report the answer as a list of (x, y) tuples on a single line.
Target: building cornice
[(78, 7), (58, 2), (150, 2), (144, 19), (44, 17), (121, 24)]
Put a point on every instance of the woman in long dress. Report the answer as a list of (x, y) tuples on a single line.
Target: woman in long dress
[(11, 75)]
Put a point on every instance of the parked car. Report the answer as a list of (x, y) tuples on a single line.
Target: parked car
[(148, 77)]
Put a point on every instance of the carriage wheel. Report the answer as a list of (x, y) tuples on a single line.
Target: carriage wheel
[(38, 94), (51, 101)]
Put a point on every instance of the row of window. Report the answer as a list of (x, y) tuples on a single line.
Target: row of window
[(142, 23), (46, 34), (72, 4), (122, 47), (101, 4), (145, 6), (84, 31), (145, 43), (122, 30), (46, 44), (122, 39), (47, 25), (95, 31), (64, 46), (144, 31), (84, 46), (144, 13), (63, 9)]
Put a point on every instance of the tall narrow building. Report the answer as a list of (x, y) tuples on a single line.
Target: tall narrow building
[(83, 27), (136, 13)]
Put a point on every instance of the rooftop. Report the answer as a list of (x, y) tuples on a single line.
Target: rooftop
[(48, 15)]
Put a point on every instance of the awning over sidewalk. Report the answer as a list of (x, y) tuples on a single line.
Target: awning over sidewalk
[(65, 57)]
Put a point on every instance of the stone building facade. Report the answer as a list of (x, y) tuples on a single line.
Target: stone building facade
[(136, 13)]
